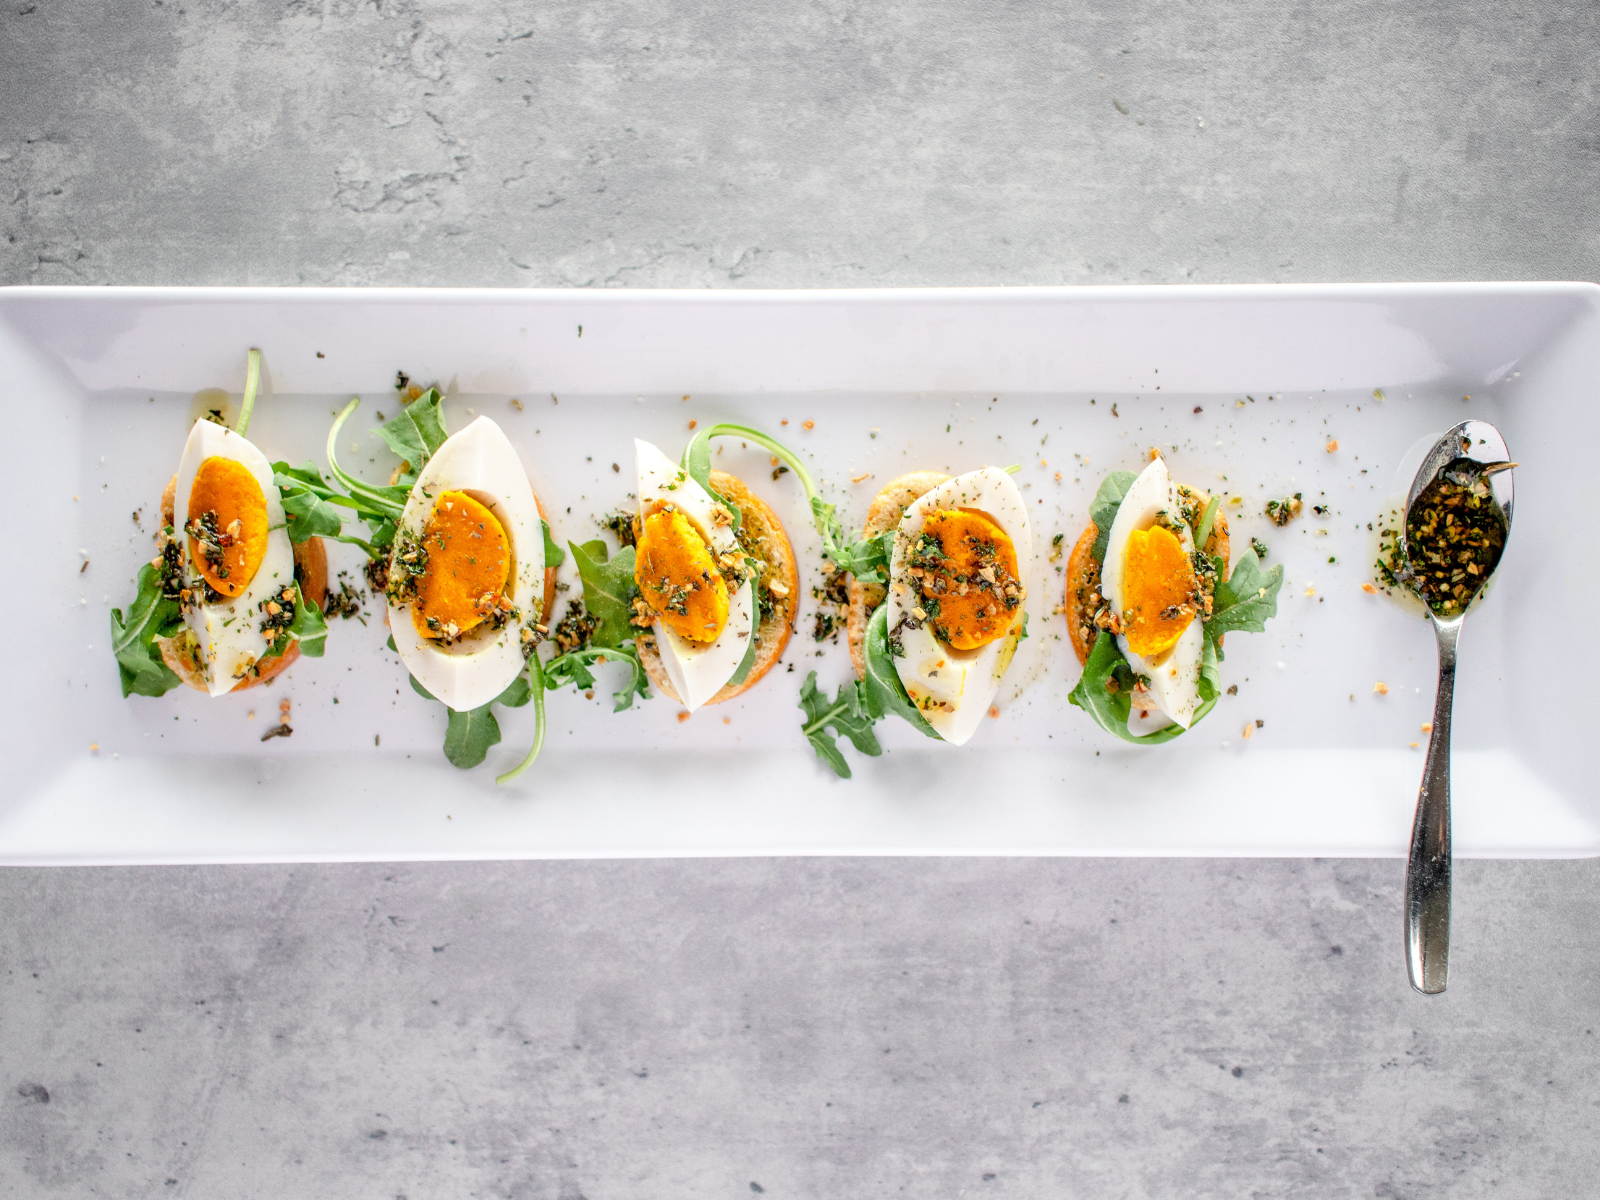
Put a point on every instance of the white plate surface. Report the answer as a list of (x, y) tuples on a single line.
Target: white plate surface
[(100, 387)]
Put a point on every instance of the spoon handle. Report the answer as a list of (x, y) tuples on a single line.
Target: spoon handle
[(1428, 871)]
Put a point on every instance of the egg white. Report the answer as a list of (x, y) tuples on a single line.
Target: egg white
[(1173, 693), (698, 671), (229, 632), (954, 688), (475, 668)]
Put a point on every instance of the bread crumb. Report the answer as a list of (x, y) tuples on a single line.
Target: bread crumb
[(1247, 732), (682, 717), (776, 461), (1333, 445), (859, 478), (808, 425), (1427, 727), (251, 715), (1413, 745), (692, 424), (785, 421), (1381, 688), (994, 710), (1369, 589), (283, 708), (94, 747), (727, 720), (1311, 591), (1058, 476)]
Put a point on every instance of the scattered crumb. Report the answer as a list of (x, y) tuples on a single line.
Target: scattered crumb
[(516, 404), (692, 424), (1377, 393), (1235, 499), (1155, 453), (1233, 689), (83, 568), (1260, 724), (727, 720), (994, 711), (617, 469), (1413, 745), (808, 425), (377, 739), (1332, 446), (683, 716), (283, 709), (589, 695), (1381, 688), (1238, 403), (94, 747), (1427, 727), (859, 478), (1058, 476), (1311, 591), (785, 421), (251, 715), (1369, 589), (276, 731), (1247, 731), (1197, 408)]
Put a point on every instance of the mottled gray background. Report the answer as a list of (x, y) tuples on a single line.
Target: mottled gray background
[(795, 1027)]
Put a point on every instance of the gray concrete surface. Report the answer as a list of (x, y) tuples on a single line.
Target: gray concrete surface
[(795, 1028)]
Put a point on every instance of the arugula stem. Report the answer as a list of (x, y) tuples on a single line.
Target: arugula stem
[(536, 678), (252, 380), (1207, 519), (776, 447), (361, 491)]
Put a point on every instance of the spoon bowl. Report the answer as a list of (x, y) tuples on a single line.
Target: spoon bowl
[(1472, 451)]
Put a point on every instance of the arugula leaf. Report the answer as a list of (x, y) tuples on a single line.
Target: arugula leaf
[(1245, 602), (133, 638), (308, 626), (468, 735), (573, 667), (554, 555), (416, 434), (1110, 709), (380, 507), (607, 590), (306, 502), (1103, 508), (848, 717), (883, 693)]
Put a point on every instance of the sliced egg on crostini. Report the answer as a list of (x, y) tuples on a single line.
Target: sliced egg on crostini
[(962, 554), (236, 550), (1148, 579), (466, 573), (704, 626)]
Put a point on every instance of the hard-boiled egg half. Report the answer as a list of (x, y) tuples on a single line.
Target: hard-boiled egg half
[(694, 577), (466, 573), (1149, 581), (956, 596), (238, 561)]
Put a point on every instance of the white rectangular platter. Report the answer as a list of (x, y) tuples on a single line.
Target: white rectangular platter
[(1242, 388)]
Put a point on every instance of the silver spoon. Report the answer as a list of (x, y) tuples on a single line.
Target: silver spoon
[(1456, 457)]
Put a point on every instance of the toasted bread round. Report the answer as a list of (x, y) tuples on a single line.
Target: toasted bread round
[(887, 508), (181, 653), (772, 547), (1083, 580)]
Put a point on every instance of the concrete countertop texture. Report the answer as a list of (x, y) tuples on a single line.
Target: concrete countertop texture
[(802, 1027)]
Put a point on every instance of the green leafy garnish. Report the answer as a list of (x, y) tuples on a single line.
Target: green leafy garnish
[(1202, 532), (574, 667), (1105, 692), (308, 627), (607, 589), (1245, 602), (1103, 508), (416, 434), (554, 555), (468, 735), (885, 694), (133, 638), (848, 717)]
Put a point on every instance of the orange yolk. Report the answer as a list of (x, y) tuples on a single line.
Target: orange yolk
[(469, 562), (972, 543), (678, 577), (1158, 588), (228, 490)]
